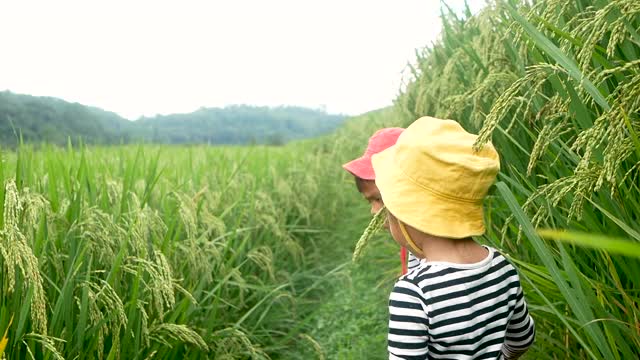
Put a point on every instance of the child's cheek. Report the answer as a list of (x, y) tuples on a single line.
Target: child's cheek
[(395, 233)]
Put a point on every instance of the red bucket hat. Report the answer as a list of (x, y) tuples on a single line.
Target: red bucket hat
[(381, 140)]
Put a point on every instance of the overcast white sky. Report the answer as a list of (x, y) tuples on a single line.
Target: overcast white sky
[(157, 57)]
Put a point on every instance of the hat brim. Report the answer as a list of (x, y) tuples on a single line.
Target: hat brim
[(361, 167), (422, 208)]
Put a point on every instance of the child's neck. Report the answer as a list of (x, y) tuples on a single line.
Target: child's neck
[(458, 251)]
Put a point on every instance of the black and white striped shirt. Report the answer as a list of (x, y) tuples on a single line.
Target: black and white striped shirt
[(443, 310), (412, 261)]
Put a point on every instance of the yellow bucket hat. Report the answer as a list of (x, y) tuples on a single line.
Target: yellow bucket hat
[(434, 181)]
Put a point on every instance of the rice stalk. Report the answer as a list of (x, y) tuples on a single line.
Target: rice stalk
[(47, 343)]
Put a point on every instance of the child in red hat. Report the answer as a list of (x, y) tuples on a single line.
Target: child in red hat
[(362, 170)]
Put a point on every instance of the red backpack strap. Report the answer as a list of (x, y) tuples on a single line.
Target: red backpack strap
[(403, 259)]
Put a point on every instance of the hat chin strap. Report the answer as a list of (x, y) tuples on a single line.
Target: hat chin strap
[(414, 248)]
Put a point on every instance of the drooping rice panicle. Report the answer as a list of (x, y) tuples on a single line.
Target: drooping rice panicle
[(374, 226)]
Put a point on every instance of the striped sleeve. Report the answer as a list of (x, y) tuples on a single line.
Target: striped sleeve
[(408, 323), (412, 261), (521, 330)]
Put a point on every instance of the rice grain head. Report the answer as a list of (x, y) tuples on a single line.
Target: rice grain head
[(165, 332), (17, 254), (374, 226)]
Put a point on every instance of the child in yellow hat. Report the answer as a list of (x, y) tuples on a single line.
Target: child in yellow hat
[(464, 300)]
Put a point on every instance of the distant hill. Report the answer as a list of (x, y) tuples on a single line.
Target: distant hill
[(52, 120), (238, 124)]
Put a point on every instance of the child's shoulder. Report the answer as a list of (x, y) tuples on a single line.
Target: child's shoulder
[(436, 272)]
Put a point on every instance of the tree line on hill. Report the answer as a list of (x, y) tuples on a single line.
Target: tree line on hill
[(55, 121)]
